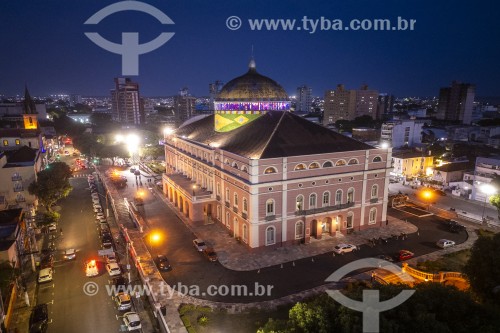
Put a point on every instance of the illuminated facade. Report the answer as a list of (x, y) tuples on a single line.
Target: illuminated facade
[(271, 177)]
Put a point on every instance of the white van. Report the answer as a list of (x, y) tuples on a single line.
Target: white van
[(45, 275), (444, 243)]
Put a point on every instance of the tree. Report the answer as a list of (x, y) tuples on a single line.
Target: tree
[(113, 152), (52, 184), (483, 268), (154, 151)]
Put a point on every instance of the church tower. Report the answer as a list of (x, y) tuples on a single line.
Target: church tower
[(29, 111)]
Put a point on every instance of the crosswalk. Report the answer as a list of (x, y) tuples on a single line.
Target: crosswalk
[(81, 175)]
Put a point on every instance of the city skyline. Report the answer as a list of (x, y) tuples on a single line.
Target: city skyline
[(49, 51)]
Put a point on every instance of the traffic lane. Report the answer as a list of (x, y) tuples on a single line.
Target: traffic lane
[(73, 310)]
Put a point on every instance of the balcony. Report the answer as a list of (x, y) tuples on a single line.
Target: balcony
[(18, 188), (235, 209), (270, 217), (244, 215), (373, 200), (227, 204), (217, 197), (16, 178), (324, 209)]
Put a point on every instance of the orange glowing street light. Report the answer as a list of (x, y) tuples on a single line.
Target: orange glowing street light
[(154, 238), (427, 194)]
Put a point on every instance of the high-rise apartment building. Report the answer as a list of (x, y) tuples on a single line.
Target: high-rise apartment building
[(456, 103), (304, 99), (343, 104), (184, 106), (385, 104), (126, 102)]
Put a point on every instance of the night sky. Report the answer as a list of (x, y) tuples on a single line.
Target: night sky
[(43, 45)]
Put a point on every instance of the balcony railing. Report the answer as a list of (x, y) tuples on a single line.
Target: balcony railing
[(244, 215), (227, 204), (235, 209), (16, 178), (217, 197), (18, 188), (270, 217), (324, 209), (373, 200)]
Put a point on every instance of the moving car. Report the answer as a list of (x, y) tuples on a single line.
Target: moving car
[(123, 301), (210, 254), (444, 243), (162, 263), (39, 319), (132, 321), (69, 254), (113, 269), (199, 244), (405, 255), (45, 275), (91, 268), (344, 248)]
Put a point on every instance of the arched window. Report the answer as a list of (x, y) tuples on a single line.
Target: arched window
[(235, 203), (218, 189), (270, 170), (245, 205), (245, 233), (299, 203), (340, 163), (226, 161), (227, 195), (270, 235), (299, 167), (338, 197), (353, 161), (312, 201), (228, 224), (270, 207), (244, 169), (327, 164), (235, 165), (374, 192), (373, 216), (326, 199), (299, 230), (377, 159), (350, 195), (314, 165)]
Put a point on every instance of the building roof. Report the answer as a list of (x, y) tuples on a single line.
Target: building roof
[(450, 167), (21, 156), (9, 219), (274, 134), (18, 132), (409, 154), (252, 86)]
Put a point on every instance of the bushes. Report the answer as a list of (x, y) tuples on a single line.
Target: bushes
[(189, 312)]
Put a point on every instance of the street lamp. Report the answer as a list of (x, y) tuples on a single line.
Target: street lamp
[(194, 189), (488, 190), (154, 238), (427, 195), (132, 145)]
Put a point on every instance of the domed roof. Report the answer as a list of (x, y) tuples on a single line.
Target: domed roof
[(252, 86)]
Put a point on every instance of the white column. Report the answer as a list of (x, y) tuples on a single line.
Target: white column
[(284, 198), (363, 192)]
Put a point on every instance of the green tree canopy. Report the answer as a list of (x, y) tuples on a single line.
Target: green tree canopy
[(153, 151), (114, 151), (52, 184)]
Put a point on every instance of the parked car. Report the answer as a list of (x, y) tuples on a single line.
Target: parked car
[(199, 244), (123, 301), (91, 268), (52, 227), (39, 319), (132, 321), (162, 263), (113, 269), (45, 275), (440, 192), (444, 243), (454, 226), (405, 255), (112, 258), (385, 257), (210, 254), (70, 254), (120, 283), (344, 248)]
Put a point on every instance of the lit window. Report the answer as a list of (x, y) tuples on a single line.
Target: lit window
[(299, 167), (270, 170), (5, 142), (314, 166), (18, 142), (299, 203), (340, 163), (353, 161)]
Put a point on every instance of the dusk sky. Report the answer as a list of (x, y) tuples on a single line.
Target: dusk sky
[(43, 45)]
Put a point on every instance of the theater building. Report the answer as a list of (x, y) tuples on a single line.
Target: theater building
[(269, 176)]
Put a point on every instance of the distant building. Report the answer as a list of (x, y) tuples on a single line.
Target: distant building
[(451, 172), (15, 111), (365, 134), (184, 106), (126, 102), (304, 99), (485, 170), (456, 102), (342, 104), (399, 133), (385, 104), (75, 99), (411, 164)]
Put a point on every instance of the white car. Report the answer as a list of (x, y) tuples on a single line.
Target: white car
[(45, 275), (52, 227), (113, 269), (344, 248), (100, 215), (97, 208), (199, 245), (444, 243), (69, 254), (123, 301), (132, 321)]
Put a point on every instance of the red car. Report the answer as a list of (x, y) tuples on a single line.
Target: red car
[(405, 255)]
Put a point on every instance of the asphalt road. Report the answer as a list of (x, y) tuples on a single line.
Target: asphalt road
[(194, 271), (70, 310)]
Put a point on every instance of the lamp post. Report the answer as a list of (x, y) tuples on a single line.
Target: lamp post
[(194, 189), (154, 237), (133, 145), (488, 191), (427, 195)]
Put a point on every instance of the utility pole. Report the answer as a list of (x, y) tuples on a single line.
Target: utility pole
[(128, 262)]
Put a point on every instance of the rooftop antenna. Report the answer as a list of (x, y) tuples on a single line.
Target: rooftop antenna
[(251, 65)]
